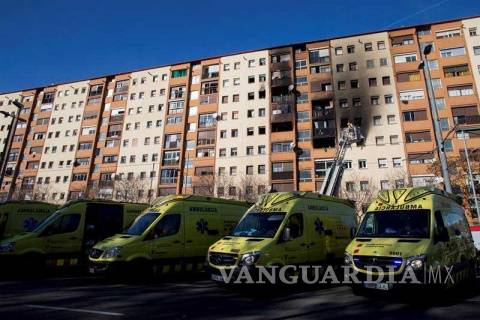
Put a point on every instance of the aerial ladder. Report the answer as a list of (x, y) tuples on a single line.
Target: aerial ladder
[(349, 135)]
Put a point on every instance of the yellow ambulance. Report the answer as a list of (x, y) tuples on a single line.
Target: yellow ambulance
[(66, 237), (23, 216), (422, 231), (286, 228), (173, 234)]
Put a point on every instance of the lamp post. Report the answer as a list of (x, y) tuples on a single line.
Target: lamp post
[(471, 182), (436, 126), (8, 144)]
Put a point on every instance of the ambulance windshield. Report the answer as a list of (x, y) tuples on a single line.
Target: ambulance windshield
[(141, 224), (396, 224), (259, 224)]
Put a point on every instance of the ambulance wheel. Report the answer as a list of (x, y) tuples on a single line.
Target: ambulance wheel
[(32, 264), (359, 290), (140, 269)]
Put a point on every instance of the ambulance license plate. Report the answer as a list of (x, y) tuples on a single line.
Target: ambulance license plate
[(216, 277), (378, 286)]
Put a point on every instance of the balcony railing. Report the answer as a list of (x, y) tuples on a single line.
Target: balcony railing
[(282, 65), (208, 98), (282, 175), (122, 89), (205, 142), (283, 99), (281, 82), (282, 113), (209, 75), (323, 114), (118, 118), (467, 120), (170, 162), (172, 145), (319, 60), (178, 95), (105, 183), (324, 133)]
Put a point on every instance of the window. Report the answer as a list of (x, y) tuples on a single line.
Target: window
[(354, 84), (179, 73), (343, 103), (394, 139), (417, 115), (391, 119), (472, 31), (167, 226), (397, 162), (383, 62), (418, 136), (408, 76), (448, 34), (342, 85), (382, 163), (362, 164), (301, 81), (338, 51), (466, 90), (410, 95), (448, 145), (402, 40), (386, 80), (456, 71), (372, 82), (377, 120), (370, 64), (368, 46), (374, 100), (381, 45), (300, 64), (404, 58), (357, 102), (380, 141), (452, 52), (353, 66), (351, 49), (282, 146), (476, 50), (436, 83), (388, 98)]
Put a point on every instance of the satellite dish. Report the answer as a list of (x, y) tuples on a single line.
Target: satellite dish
[(291, 87), (292, 145)]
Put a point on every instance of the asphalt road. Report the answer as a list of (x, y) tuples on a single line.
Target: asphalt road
[(79, 297)]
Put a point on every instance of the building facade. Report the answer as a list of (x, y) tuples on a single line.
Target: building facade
[(238, 125)]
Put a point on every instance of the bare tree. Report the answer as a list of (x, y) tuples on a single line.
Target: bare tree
[(457, 167), (204, 185), (248, 187), (131, 190), (359, 189)]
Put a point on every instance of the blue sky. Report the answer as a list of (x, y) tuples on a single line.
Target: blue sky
[(44, 42)]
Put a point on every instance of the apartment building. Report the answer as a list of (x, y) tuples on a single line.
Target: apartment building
[(240, 124), (242, 162), (365, 95), (454, 92), (143, 118), (60, 131)]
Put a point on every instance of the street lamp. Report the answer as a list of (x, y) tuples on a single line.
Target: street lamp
[(436, 125), (8, 144)]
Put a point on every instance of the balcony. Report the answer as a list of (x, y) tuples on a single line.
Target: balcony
[(281, 82), (118, 118), (285, 175), (172, 145), (122, 89), (324, 133), (282, 113), (178, 95), (282, 65), (114, 134), (205, 142), (170, 162), (319, 60), (467, 120), (27, 186), (209, 98), (323, 114), (105, 183)]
